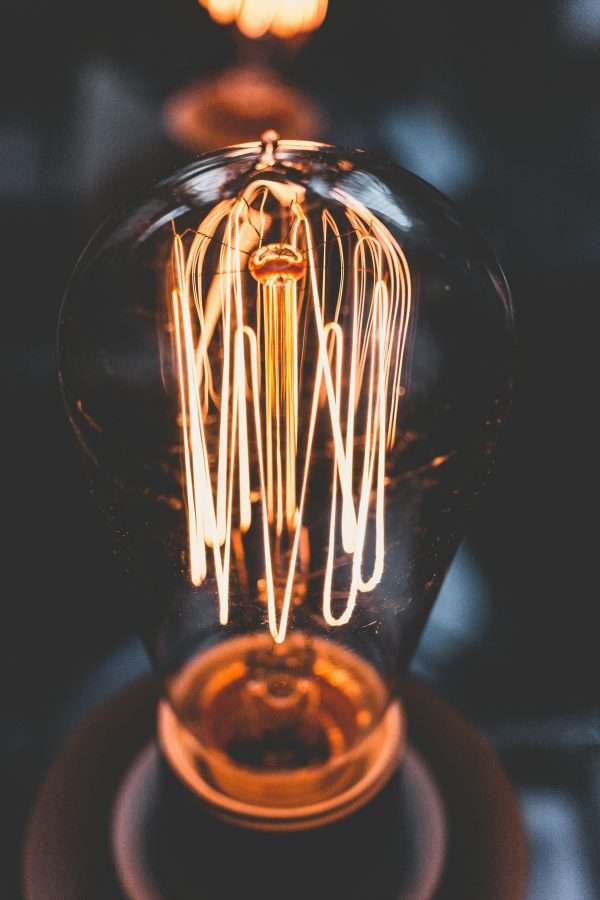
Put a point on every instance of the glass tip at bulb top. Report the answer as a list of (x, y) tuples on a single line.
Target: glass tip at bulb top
[(318, 335)]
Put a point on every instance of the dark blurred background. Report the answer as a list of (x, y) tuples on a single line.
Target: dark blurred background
[(497, 104)]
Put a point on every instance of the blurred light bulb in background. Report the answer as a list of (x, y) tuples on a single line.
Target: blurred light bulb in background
[(288, 370), (281, 18), (251, 96)]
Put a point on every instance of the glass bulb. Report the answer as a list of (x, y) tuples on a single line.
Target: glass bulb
[(288, 369)]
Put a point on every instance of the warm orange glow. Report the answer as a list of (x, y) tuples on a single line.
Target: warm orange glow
[(243, 357), (282, 18)]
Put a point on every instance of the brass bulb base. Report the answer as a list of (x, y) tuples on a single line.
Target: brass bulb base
[(281, 739)]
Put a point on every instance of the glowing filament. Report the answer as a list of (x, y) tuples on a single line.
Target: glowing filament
[(261, 367)]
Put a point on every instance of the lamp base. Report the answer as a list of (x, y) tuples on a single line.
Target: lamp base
[(109, 779), (165, 847)]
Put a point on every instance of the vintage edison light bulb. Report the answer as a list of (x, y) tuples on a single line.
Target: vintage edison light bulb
[(287, 369)]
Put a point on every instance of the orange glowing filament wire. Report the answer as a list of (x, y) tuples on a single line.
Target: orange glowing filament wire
[(240, 341)]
